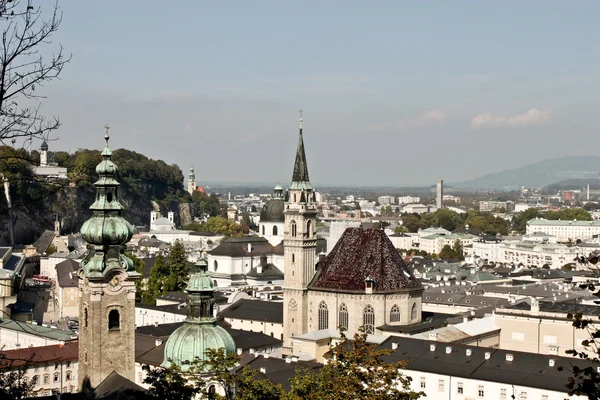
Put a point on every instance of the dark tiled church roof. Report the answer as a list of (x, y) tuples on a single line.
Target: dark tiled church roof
[(361, 253)]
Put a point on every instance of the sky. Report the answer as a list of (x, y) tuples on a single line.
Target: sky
[(393, 92)]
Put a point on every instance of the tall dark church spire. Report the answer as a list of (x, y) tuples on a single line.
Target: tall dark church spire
[(300, 176)]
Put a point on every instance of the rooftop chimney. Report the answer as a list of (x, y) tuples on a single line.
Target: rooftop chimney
[(487, 355), (394, 345), (509, 357), (469, 352), (448, 349), (263, 370), (156, 324), (239, 351), (158, 342), (551, 362), (432, 347)]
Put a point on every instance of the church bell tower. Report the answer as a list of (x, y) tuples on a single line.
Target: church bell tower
[(106, 285), (300, 243), (191, 186)]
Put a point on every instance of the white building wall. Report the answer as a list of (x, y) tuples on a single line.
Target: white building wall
[(148, 316)]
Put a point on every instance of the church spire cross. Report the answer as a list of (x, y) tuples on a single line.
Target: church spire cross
[(301, 118)]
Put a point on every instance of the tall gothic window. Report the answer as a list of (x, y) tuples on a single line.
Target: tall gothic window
[(343, 317), (113, 320), (308, 227), (413, 312), (85, 318), (395, 314), (293, 228), (323, 316), (369, 320), (274, 230)]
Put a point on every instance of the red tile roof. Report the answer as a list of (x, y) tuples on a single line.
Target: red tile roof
[(361, 253), (43, 354)]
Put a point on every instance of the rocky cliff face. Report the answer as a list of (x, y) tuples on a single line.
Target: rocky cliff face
[(72, 205)]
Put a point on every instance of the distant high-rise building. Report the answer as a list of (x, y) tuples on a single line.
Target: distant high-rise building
[(440, 193)]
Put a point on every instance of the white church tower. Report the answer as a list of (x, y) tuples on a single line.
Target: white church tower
[(300, 243), (191, 186)]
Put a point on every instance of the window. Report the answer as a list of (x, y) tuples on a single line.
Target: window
[(263, 230), (46, 378), (395, 314), (413, 312), (480, 391), (544, 397), (215, 265), (140, 377), (113, 320), (274, 230), (502, 394), (459, 388), (423, 382), (523, 396), (323, 316), (343, 316), (56, 377), (369, 320), (85, 317), (35, 380), (441, 385), (293, 225), (69, 375), (549, 339), (293, 257), (308, 229)]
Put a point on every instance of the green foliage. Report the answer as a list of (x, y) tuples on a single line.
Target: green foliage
[(204, 204), (51, 249), (448, 253), (569, 214), (520, 220), (400, 229), (172, 383), (157, 283), (355, 369), (412, 222), (387, 211), (139, 284), (458, 249), (178, 267), (487, 222), (14, 380), (219, 225)]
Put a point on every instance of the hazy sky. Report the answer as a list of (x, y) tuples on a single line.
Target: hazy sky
[(393, 93)]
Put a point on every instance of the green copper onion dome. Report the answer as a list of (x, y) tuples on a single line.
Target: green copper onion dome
[(106, 232), (200, 330)]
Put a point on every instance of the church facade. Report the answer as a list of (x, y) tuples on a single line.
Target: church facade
[(361, 284)]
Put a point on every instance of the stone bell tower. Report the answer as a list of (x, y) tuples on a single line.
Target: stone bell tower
[(106, 285), (300, 244)]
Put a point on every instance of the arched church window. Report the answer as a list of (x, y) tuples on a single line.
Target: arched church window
[(294, 197), (343, 316), (85, 318), (113, 320), (263, 230), (274, 230), (395, 314), (293, 257), (308, 228), (323, 316), (369, 320), (215, 265), (292, 306), (109, 197), (293, 225), (413, 312)]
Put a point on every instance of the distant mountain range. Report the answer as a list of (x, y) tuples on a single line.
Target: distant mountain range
[(537, 175)]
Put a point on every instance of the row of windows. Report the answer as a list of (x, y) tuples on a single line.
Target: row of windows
[(295, 231), (35, 380), (368, 315), (274, 230), (460, 389)]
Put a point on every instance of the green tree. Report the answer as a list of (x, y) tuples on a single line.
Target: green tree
[(170, 383), (355, 369), (157, 283), (448, 253), (400, 229), (458, 249), (178, 266), (14, 381), (139, 284), (412, 222), (520, 220)]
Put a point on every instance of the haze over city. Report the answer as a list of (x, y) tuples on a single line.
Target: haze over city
[(459, 89)]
